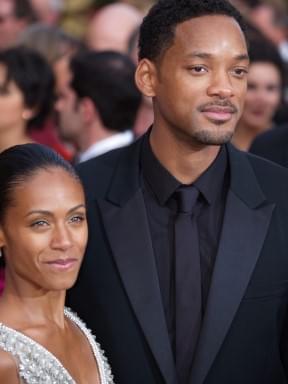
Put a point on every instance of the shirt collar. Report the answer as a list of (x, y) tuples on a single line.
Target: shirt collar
[(112, 142), (163, 184)]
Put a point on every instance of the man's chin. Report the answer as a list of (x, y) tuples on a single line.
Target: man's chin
[(213, 138)]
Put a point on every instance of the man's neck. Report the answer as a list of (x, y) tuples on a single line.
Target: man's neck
[(93, 135), (186, 162)]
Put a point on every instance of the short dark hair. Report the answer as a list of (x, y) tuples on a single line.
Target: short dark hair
[(107, 78), (34, 77), (20, 162), (158, 26), (264, 51)]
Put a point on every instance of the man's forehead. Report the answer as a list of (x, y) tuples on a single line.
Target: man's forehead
[(209, 32)]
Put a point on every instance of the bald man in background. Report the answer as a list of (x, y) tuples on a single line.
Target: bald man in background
[(111, 27)]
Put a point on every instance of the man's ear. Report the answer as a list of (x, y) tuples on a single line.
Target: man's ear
[(146, 77), (88, 110)]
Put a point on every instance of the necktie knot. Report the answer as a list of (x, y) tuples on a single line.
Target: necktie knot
[(186, 199)]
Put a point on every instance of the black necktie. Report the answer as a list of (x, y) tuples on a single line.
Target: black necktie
[(187, 281)]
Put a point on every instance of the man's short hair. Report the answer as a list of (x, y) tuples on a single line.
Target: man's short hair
[(107, 78), (158, 27)]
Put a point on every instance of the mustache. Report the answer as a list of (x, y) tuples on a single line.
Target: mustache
[(218, 103)]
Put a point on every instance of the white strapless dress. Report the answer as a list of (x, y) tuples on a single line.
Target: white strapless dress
[(39, 366)]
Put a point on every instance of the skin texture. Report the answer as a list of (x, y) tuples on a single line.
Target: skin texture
[(43, 236), (198, 88)]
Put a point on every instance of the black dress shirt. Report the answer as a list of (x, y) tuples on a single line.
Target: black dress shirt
[(158, 186)]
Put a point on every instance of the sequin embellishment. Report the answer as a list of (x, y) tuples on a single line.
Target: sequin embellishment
[(38, 366)]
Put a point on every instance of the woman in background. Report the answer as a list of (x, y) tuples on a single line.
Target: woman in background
[(57, 47), (43, 235), (264, 92), (26, 94)]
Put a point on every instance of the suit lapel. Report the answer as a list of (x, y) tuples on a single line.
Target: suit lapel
[(126, 224), (246, 222)]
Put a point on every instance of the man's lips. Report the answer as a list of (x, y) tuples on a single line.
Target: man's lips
[(218, 113)]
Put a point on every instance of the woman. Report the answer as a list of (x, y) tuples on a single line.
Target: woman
[(264, 93), (43, 235), (26, 94)]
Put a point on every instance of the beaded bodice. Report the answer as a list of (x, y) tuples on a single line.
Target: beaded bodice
[(38, 366)]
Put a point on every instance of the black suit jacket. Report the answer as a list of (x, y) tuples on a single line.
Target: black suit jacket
[(272, 145), (243, 337)]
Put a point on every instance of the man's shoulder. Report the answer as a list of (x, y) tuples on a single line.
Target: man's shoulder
[(96, 174), (271, 177), (277, 134), (272, 144), (106, 160)]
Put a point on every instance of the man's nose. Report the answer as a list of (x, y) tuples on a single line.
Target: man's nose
[(221, 86)]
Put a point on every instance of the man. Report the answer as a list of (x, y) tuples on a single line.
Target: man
[(98, 108), (167, 309), (111, 27), (15, 16)]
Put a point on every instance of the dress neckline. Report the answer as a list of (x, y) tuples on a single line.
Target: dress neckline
[(105, 373)]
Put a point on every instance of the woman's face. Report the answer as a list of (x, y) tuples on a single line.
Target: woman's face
[(263, 96), (13, 111), (44, 231)]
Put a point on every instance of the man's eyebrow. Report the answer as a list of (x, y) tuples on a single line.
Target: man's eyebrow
[(205, 55)]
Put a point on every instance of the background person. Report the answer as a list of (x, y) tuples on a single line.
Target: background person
[(57, 47), (265, 93), (111, 27), (15, 16), (97, 110), (26, 97)]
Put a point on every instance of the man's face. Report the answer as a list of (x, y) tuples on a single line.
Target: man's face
[(68, 116), (10, 26), (200, 82), (67, 112)]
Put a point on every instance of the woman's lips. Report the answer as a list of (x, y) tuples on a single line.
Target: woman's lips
[(62, 264)]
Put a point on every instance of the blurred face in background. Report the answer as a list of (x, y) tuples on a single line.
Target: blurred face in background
[(68, 118), (263, 96), (10, 26)]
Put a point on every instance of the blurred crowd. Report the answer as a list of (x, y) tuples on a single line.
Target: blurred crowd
[(67, 74)]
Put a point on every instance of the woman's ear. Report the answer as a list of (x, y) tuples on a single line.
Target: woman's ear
[(28, 114), (2, 237)]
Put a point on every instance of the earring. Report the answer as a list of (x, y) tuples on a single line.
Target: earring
[(0, 253)]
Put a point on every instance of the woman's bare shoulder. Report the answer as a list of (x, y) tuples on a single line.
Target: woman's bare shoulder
[(8, 369)]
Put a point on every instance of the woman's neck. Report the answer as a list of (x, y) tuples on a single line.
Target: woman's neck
[(26, 305), (9, 138)]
